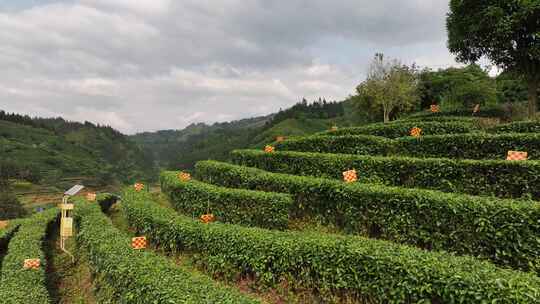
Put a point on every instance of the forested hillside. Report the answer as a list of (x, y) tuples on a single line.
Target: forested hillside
[(175, 149), (47, 150)]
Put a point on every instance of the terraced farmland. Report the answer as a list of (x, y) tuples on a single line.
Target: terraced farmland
[(439, 218)]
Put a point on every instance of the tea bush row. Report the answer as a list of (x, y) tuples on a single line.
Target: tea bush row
[(510, 179), (464, 146), (504, 231), (374, 271), (26, 286), (403, 128), (140, 276), (246, 207)]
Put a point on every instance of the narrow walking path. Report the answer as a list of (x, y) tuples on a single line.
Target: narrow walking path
[(67, 282)]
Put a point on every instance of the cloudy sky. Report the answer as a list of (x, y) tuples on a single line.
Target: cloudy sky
[(162, 64)]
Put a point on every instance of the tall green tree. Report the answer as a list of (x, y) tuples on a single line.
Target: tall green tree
[(506, 32), (390, 88), (462, 87)]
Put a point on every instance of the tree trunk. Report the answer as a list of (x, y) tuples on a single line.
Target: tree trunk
[(533, 97), (386, 115)]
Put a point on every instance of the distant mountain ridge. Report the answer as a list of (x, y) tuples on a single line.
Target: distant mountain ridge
[(48, 149), (180, 149)]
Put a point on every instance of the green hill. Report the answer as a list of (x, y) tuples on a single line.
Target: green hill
[(181, 149), (51, 150)]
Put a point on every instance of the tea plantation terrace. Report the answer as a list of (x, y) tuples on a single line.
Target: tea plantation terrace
[(441, 217)]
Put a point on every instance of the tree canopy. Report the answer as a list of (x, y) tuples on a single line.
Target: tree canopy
[(390, 88), (506, 32)]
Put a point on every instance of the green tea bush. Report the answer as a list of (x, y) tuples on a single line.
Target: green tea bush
[(403, 128), (518, 127), (511, 179), (438, 118), (246, 207), (140, 276), (350, 144), (485, 111), (372, 270), (504, 231), (470, 146), (26, 286)]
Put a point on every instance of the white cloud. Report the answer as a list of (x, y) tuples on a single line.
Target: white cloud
[(161, 64)]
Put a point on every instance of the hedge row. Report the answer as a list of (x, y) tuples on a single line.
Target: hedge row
[(139, 276), (374, 271), (485, 111), (7, 233), (19, 285), (504, 231), (403, 128), (518, 127), (511, 179), (471, 146), (438, 118), (468, 146), (350, 144), (245, 207)]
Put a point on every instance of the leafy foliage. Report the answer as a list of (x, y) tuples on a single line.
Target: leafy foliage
[(462, 87), (485, 111), (503, 231), (53, 148), (389, 89), (140, 276), (463, 146), (518, 127), (349, 144), (10, 207), (403, 128), (506, 32), (26, 286), (332, 264), (487, 177), (181, 149), (470, 146), (319, 109), (250, 208)]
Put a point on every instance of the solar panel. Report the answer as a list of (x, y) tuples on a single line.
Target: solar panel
[(73, 190)]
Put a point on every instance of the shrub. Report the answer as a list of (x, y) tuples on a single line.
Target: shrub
[(472, 146), (251, 208), (376, 271), (403, 128), (5, 235), (518, 127), (504, 231), (140, 276), (485, 111), (438, 118), (351, 144), (468, 145), (10, 207), (18, 285), (487, 177)]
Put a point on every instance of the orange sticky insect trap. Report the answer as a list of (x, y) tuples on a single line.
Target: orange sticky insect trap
[(138, 242), (350, 176), (32, 264), (516, 155), (90, 197), (416, 132), (184, 176), (207, 218), (138, 187)]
